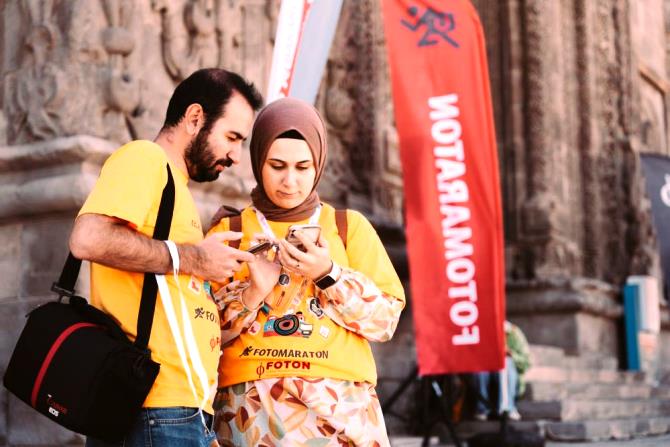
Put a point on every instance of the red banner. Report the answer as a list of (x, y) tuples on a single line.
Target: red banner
[(452, 199)]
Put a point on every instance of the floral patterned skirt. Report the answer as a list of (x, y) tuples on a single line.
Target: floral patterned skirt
[(299, 411)]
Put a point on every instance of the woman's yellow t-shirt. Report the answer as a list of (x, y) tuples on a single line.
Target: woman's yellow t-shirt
[(303, 340)]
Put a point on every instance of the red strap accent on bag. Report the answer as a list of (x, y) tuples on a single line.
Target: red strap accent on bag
[(50, 355)]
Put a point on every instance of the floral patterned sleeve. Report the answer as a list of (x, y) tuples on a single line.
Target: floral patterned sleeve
[(357, 304), (234, 315)]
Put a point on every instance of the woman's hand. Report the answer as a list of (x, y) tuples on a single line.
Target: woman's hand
[(263, 275), (313, 263)]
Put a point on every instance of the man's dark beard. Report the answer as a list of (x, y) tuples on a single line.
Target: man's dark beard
[(200, 160)]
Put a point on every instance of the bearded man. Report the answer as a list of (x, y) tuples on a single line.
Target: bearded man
[(209, 116)]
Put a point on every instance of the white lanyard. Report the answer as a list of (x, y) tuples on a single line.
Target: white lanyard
[(313, 220), (187, 342)]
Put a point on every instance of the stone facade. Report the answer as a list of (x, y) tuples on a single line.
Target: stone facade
[(579, 89)]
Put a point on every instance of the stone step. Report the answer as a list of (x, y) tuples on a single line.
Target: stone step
[(543, 391), (556, 374), (607, 429), (592, 362), (579, 410), (541, 355), (465, 429), (578, 431)]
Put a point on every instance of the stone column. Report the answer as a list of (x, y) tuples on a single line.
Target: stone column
[(550, 296)]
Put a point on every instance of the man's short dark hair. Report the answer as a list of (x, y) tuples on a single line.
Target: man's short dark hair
[(212, 89)]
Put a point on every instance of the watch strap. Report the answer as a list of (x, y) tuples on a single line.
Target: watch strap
[(329, 278)]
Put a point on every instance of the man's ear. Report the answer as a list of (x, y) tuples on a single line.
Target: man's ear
[(194, 119)]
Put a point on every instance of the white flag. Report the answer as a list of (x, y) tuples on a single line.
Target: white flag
[(305, 33), (290, 26)]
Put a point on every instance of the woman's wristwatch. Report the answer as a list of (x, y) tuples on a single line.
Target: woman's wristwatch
[(329, 278)]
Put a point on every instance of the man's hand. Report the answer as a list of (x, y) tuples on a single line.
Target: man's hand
[(212, 259), (263, 276)]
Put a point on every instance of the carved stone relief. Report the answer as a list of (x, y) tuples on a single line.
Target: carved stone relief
[(231, 45), (224, 33), (388, 196), (191, 35), (106, 54), (64, 72), (363, 165), (34, 91), (387, 193), (255, 34), (338, 109), (123, 87), (338, 113)]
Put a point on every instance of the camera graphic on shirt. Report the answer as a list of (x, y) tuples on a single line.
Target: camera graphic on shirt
[(287, 326)]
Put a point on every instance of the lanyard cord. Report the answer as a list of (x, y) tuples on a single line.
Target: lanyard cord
[(284, 279), (186, 344), (262, 220)]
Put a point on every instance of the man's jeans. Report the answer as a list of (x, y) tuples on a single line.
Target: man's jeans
[(484, 378), (165, 427)]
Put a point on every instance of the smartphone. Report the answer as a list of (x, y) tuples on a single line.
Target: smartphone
[(312, 232), (260, 247)]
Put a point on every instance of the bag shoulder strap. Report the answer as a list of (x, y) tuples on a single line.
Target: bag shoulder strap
[(235, 225), (145, 317), (341, 223), (68, 277)]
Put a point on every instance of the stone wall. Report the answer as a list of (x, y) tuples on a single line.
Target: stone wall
[(579, 89)]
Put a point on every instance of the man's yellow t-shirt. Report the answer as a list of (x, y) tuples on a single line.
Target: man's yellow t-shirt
[(129, 188)]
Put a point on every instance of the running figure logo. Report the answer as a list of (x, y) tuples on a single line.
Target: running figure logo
[(438, 25), (247, 351)]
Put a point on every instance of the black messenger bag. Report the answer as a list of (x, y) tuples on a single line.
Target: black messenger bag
[(75, 365)]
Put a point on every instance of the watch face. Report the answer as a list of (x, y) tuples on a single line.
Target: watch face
[(325, 282)]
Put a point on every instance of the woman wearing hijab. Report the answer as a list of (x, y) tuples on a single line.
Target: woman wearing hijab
[(296, 367)]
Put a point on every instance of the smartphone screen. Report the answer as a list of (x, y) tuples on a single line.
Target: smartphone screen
[(312, 232), (259, 248)]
